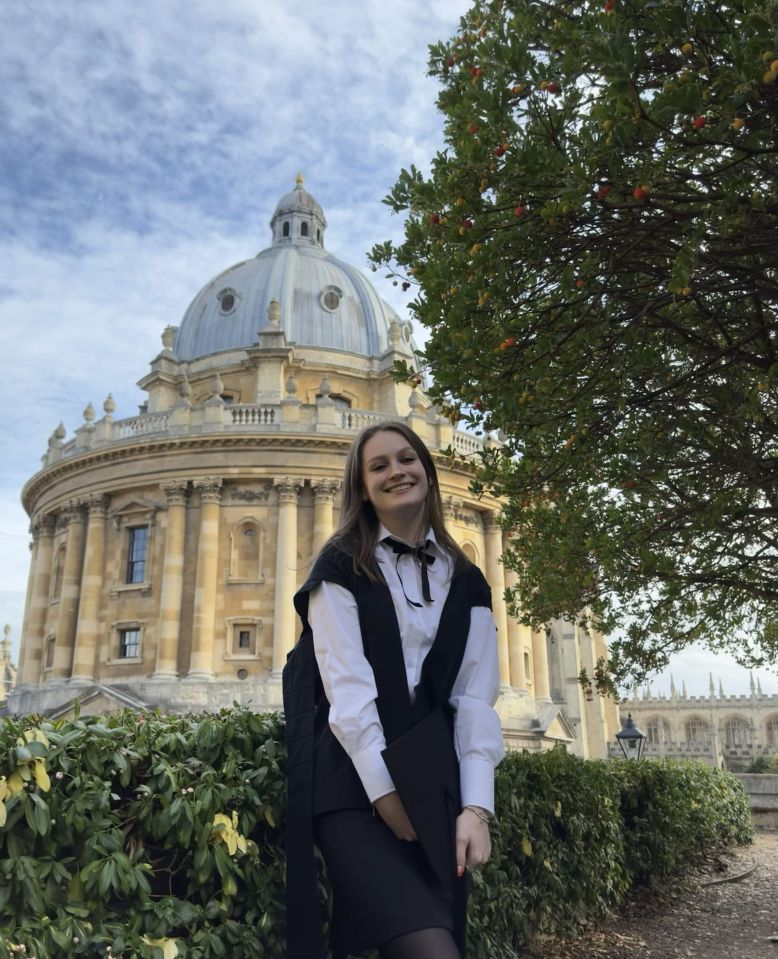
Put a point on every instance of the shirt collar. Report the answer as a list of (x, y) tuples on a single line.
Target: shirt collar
[(383, 533)]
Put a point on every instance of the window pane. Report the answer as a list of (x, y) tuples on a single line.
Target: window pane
[(136, 554), (129, 643)]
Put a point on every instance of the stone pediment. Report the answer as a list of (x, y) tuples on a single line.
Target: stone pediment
[(96, 700), (552, 722)]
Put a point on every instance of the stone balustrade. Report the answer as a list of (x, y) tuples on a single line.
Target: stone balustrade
[(245, 418)]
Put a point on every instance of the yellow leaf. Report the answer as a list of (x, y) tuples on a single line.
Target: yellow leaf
[(242, 844), (3, 788), (168, 946), (15, 783), (3, 814), (234, 819), (526, 846), (41, 776), (231, 838), (221, 820), (269, 818)]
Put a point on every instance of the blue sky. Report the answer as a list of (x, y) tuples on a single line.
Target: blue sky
[(142, 150)]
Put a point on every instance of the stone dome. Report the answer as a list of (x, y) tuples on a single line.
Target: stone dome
[(325, 303)]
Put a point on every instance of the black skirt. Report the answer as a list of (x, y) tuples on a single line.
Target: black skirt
[(382, 886)]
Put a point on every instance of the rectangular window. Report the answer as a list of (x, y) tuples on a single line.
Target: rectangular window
[(136, 554), (129, 643), (244, 639)]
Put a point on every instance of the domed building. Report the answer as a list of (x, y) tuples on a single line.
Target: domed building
[(167, 546)]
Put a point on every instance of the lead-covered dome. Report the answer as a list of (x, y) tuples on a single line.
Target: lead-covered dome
[(325, 302)]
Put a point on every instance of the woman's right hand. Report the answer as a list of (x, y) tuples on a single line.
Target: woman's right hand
[(392, 811)]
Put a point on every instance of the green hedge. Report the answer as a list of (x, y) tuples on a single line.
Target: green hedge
[(155, 836)]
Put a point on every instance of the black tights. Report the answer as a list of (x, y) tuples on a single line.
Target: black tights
[(436, 943)]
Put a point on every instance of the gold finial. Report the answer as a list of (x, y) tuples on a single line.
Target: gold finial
[(299, 179)]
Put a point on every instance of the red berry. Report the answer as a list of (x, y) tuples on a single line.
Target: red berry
[(467, 224), (580, 284), (434, 218), (609, 5), (603, 192), (552, 87), (476, 71), (499, 151), (519, 211), (510, 341), (699, 122), (640, 192), (451, 62)]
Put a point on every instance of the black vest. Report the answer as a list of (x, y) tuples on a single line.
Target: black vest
[(320, 775)]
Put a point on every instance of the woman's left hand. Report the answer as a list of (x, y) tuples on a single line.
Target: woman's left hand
[(474, 844)]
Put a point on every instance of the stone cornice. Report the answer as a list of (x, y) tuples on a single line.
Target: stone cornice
[(152, 449)]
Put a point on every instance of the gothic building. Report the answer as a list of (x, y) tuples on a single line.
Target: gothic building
[(167, 546), (718, 729)]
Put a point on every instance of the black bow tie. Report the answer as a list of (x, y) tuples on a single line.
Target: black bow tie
[(425, 559)]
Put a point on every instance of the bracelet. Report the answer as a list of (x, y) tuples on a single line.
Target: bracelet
[(484, 817)]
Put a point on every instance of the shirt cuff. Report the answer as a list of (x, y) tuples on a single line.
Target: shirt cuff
[(476, 779), (372, 771)]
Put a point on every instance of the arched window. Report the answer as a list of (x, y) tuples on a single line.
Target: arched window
[(658, 731), (697, 732), (286, 229), (737, 733), (470, 551), (59, 572), (246, 554), (303, 229), (772, 732)]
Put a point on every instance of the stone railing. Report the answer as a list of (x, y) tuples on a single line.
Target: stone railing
[(251, 418)]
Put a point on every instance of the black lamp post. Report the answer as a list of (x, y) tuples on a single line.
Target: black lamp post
[(631, 739)]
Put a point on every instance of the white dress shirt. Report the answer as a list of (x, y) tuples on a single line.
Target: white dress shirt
[(349, 682)]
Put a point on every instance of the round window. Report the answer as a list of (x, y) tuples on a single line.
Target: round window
[(331, 297), (227, 300)]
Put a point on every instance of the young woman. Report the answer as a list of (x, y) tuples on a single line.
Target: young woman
[(400, 625)]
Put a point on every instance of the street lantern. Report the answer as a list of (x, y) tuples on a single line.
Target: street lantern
[(631, 739)]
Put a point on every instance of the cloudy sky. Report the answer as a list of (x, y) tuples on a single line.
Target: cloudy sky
[(142, 150)]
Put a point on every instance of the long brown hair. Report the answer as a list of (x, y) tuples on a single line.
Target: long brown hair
[(358, 526)]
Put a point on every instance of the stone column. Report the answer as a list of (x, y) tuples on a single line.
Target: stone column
[(87, 632), (324, 491), (284, 621), (67, 616), (540, 665), (495, 574), (201, 656), (518, 637), (31, 658), (594, 708), (172, 587)]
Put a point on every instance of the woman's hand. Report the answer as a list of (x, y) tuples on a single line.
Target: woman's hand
[(392, 811), (474, 844)]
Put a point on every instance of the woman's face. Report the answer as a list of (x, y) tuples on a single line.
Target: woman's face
[(394, 479)]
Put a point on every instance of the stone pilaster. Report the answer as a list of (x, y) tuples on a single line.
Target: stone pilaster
[(87, 634), (286, 570), (495, 574), (542, 688), (172, 588), (201, 657), (519, 636), (31, 658), (324, 491), (67, 616)]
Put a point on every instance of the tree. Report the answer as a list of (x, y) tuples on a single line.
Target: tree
[(595, 257)]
